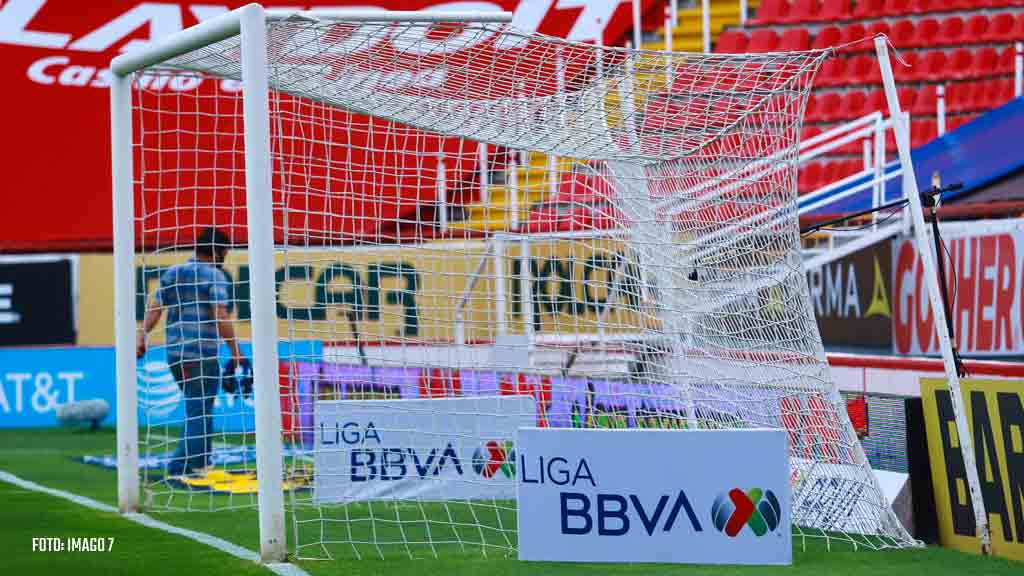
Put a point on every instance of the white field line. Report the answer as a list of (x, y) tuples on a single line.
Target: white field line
[(282, 569)]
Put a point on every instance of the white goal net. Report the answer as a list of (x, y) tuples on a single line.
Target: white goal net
[(629, 258)]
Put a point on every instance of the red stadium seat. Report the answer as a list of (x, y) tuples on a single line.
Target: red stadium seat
[(879, 27), (908, 97), (951, 31), (922, 6), (854, 32), (811, 109), (802, 11), (973, 96), (809, 178), (854, 105), (851, 167), (1000, 28), (1018, 28), (832, 73), (896, 7), (913, 66), (923, 131), (868, 9), (827, 37), (924, 105), (961, 63), (771, 12), (731, 42), (977, 28), (934, 66), (902, 33), (1004, 92), (925, 33), (877, 102), (763, 41), (834, 10), (859, 69), (809, 132), (959, 97), (986, 62), (1006, 64), (829, 107), (795, 40)]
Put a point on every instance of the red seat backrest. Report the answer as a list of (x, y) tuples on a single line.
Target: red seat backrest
[(827, 37), (935, 62), (832, 10), (880, 27), (876, 102), (763, 41), (854, 32), (903, 33), (977, 28), (926, 31), (832, 72), (897, 7), (854, 103), (952, 30), (922, 6), (961, 59), (986, 60), (795, 39), (868, 8), (925, 103), (802, 11), (731, 42), (771, 11), (1001, 27), (908, 97)]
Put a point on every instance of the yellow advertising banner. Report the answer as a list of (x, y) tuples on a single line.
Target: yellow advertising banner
[(405, 292), (995, 415)]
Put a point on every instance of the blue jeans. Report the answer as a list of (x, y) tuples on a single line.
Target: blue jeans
[(199, 381)]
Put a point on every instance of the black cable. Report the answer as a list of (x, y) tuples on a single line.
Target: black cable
[(929, 201), (825, 227)]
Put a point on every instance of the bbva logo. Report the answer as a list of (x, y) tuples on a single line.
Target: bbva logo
[(756, 508), (494, 456)]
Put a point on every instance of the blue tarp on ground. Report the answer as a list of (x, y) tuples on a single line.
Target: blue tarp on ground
[(976, 154)]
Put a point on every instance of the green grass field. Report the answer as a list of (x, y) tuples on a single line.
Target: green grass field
[(45, 457)]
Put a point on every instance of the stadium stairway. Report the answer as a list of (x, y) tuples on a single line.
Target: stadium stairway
[(501, 212), (687, 35)]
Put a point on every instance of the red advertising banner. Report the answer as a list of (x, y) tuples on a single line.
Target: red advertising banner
[(984, 288), (54, 55)]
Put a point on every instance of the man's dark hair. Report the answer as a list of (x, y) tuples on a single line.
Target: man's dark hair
[(212, 243)]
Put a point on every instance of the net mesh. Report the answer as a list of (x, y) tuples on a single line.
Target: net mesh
[(678, 301)]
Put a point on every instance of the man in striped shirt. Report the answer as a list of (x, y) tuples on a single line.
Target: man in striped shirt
[(195, 296)]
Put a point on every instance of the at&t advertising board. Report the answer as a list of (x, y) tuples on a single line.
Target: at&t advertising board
[(423, 449), (685, 496)]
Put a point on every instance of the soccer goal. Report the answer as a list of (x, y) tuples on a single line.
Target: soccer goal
[(394, 352)]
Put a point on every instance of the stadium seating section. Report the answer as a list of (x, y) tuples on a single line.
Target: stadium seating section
[(964, 47)]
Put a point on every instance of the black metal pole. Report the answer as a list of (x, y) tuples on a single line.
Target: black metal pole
[(943, 288)]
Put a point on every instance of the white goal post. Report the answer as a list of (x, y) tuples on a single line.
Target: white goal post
[(325, 145)]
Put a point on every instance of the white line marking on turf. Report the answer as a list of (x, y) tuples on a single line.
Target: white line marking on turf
[(281, 569)]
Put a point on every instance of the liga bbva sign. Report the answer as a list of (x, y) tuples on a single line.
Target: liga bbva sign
[(424, 449), (995, 416), (687, 496), (985, 284)]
